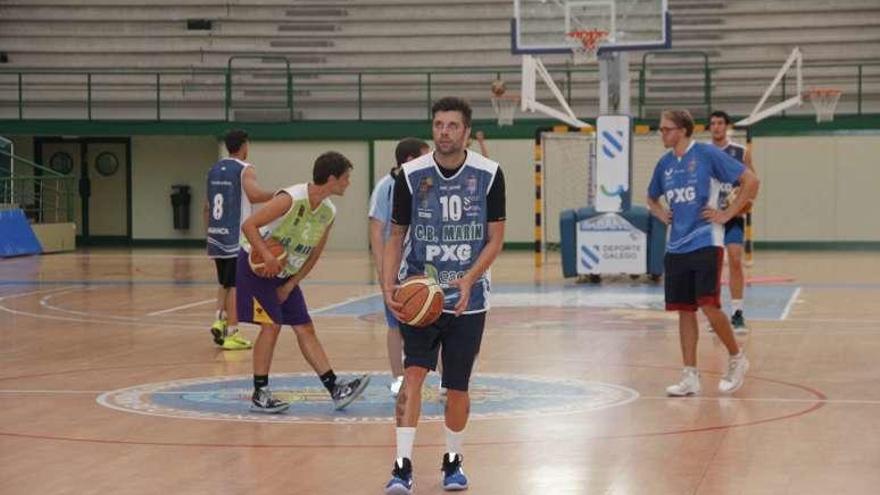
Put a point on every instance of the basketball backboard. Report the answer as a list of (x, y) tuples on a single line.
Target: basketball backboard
[(543, 26)]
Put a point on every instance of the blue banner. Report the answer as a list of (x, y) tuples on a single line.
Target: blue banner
[(16, 236)]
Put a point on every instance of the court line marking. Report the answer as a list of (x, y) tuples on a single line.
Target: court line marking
[(44, 302), (95, 319), (92, 319), (343, 303), (791, 301), (41, 291), (184, 306)]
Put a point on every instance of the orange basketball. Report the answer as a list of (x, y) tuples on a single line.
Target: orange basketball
[(422, 300), (277, 250)]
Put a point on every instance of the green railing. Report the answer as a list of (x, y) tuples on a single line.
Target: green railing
[(851, 78), (45, 195), (212, 94)]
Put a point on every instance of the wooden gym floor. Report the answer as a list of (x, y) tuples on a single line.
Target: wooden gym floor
[(110, 384)]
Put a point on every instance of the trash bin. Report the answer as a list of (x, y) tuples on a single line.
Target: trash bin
[(180, 200)]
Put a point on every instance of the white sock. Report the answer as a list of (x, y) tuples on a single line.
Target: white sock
[(736, 304), (454, 440), (691, 369), (406, 437), (231, 330), (220, 315)]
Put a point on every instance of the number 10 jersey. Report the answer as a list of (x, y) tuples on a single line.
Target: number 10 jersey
[(449, 227)]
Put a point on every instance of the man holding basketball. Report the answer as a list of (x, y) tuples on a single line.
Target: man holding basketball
[(734, 230), (450, 207), (689, 178), (299, 218)]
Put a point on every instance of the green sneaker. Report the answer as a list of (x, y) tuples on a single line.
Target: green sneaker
[(217, 330), (236, 342)]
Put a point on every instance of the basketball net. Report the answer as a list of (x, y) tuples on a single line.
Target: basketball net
[(824, 101), (504, 107), (585, 44)]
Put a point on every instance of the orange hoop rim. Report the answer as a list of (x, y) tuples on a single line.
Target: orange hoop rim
[(589, 38), (812, 92)]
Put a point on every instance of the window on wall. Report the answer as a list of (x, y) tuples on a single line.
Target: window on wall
[(107, 164), (61, 162)]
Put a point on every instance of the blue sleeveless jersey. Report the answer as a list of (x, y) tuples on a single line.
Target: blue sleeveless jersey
[(228, 207), (738, 153), (689, 184), (448, 229)]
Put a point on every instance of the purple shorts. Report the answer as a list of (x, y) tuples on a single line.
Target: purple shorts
[(257, 300)]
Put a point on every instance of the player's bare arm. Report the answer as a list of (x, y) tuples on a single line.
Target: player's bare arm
[(659, 211), (285, 289), (377, 246), (391, 259), (747, 191), (254, 192), (273, 210)]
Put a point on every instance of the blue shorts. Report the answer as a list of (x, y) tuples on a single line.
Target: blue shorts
[(734, 231), (257, 300), (390, 320)]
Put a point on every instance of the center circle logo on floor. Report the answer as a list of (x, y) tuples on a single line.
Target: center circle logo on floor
[(493, 396)]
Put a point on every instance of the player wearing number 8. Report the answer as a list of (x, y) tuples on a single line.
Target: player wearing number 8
[(231, 189), (450, 207)]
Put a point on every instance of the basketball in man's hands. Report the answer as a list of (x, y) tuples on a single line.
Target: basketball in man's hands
[(422, 300), (256, 261)]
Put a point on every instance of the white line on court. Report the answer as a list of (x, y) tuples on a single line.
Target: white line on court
[(44, 302), (791, 301), (343, 303), (41, 291), (177, 308)]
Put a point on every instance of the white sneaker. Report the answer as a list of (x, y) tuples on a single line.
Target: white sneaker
[(395, 386), (689, 384), (737, 367)]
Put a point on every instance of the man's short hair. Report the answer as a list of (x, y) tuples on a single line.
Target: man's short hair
[(330, 163), (721, 114), (409, 148), (453, 104), (681, 118), (235, 139)]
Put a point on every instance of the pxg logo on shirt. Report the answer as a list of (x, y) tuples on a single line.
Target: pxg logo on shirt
[(681, 195)]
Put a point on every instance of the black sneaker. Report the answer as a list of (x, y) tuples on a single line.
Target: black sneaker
[(262, 401), (401, 481), (738, 322), (453, 477), (345, 393)]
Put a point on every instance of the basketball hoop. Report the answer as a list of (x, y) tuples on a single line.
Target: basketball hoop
[(505, 107), (585, 44), (824, 101)]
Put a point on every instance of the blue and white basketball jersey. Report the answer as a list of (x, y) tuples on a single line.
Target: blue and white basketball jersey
[(689, 184), (228, 207), (448, 229), (738, 153)]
